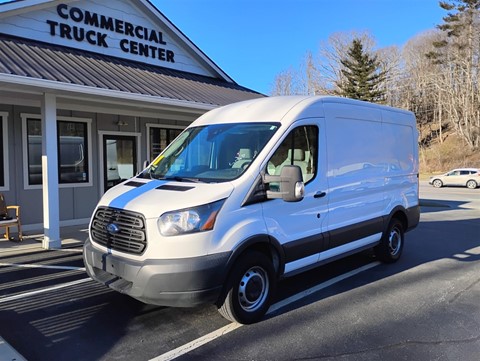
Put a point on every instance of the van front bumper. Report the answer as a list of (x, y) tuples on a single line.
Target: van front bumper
[(184, 282)]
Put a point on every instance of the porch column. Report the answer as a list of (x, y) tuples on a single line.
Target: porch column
[(51, 205)]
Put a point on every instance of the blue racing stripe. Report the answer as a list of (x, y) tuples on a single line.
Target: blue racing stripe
[(122, 200)]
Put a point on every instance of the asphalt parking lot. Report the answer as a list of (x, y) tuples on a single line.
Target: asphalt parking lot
[(424, 307)]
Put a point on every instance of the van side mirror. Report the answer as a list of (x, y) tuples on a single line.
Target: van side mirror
[(291, 184)]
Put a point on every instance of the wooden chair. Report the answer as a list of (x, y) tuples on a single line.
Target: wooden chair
[(10, 217)]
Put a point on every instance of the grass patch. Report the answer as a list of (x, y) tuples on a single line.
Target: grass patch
[(449, 154)]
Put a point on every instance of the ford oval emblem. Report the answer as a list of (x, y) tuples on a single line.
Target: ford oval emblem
[(112, 228)]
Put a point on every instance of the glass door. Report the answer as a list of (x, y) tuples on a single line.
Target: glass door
[(119, 159)]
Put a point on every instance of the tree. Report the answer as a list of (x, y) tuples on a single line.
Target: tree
[(391, 63), (330, 55), (311, 75), (318, 74), (419, 90), (285, 83), (362, 75), (302, 82), (456, 56)]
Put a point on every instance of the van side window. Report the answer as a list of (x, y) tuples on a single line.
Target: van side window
[(298, 148)]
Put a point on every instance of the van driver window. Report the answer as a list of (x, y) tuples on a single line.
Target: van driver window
[(298, 148)]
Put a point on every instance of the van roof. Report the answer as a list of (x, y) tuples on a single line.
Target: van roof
[(282, 109)]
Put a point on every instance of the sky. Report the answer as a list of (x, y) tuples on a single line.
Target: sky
[(255, 40)]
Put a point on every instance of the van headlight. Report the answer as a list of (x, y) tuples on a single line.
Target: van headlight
[(190, 220)]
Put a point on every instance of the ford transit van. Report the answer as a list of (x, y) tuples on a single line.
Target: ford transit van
[(254, 192)]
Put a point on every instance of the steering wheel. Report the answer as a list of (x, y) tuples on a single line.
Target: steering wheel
[(246, 164)]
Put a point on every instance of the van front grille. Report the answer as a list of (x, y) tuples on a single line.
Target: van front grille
[(119, 230)]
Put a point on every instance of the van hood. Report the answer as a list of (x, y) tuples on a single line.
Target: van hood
[(154, 197)]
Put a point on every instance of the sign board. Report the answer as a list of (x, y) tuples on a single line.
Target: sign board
[(115, 28)]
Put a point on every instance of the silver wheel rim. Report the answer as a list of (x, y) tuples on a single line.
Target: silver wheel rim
[(437, 183), (394, 241), (253, 289), (471, 185)]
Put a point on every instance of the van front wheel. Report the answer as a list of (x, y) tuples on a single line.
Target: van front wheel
[(391, 245), (249, 289)]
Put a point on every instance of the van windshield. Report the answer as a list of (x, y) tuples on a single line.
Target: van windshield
[(211, 153)]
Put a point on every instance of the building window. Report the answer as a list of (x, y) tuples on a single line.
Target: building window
[(34, 148), (159, 138), (73, 151), (3, 152)]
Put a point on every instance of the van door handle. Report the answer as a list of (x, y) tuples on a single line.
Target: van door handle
[(319, 194)]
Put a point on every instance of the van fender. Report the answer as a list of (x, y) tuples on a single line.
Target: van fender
[(409, 217), (263, 243)]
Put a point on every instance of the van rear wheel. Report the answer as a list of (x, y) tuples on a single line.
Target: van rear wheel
[(249, 289), (391, 245)]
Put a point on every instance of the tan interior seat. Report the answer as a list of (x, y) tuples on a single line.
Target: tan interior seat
[(245, 157), (298, 159)]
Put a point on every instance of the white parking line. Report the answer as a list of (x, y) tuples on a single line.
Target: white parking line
[(197, 343), (19, 265), (43, 290), (320, 286), (77, 250), (275, 307)]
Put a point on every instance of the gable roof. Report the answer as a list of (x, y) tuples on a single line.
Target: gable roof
[(40, 64), (26, 13), (65, 68)]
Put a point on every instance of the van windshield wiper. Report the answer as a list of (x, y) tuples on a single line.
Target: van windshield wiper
[(182, 179)]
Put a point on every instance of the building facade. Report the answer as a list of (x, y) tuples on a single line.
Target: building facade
[(89, 91)]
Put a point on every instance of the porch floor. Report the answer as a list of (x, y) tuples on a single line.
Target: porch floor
[(72, 236)]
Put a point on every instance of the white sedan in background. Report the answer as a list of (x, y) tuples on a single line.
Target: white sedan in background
[(466, 177)]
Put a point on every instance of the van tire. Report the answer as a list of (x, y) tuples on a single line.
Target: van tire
[(249, 289), (390, 247)]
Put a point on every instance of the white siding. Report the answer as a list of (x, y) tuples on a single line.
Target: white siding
[(34, 25)]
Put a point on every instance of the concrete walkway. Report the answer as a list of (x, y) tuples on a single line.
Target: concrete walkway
[(73, 236)]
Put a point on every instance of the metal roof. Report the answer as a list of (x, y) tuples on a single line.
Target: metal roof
[(36, 60)]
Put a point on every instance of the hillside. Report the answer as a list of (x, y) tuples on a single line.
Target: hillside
[(439, 157)]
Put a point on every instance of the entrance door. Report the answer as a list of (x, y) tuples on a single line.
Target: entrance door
[(119, 159)]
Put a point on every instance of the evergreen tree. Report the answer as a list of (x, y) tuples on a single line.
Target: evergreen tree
[(458, 28), (362, 75)]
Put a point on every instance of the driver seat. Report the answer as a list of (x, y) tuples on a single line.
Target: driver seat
[(244, 157)]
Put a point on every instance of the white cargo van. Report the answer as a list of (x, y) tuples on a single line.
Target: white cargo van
[(256, 191)]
